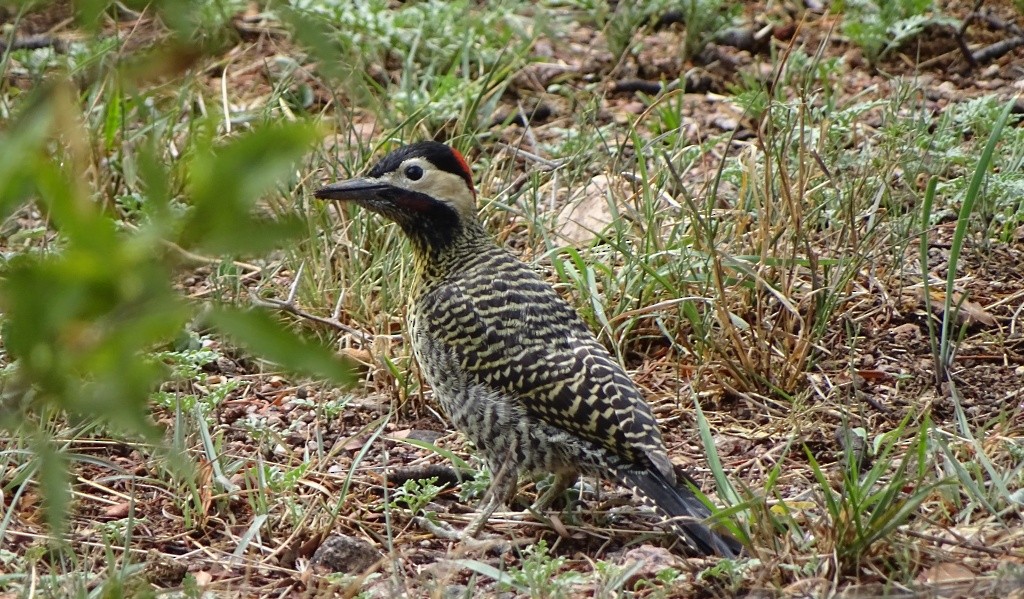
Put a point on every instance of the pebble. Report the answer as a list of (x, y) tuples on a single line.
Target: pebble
[(342, 553), (652, 559)]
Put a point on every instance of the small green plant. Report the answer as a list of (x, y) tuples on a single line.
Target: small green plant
[(416, 494), (327, 409), (661, 586), (879, 27), (727, 575), (540, 573), (985, 484), (704, 20), (186, 374), (285, 480), (459, 77), (629, 17), (474, 488), (612, 579)]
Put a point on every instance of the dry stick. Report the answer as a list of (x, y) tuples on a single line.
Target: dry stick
[(957, 542), (936, 59), (288, 305), (996, 23), (963, 29), (650, 88), (199, 259), (874, 403), (990, 53), (548, 165), (291, 308), (35, 42), (993, 51)]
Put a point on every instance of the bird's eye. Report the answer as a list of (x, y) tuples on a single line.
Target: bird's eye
[(414, 173)]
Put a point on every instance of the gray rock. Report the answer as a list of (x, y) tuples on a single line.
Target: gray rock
[(341, 553)]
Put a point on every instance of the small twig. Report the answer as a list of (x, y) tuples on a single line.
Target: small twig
[(443, 530), (651, 88), (35, 42), (958, 541), (993, 51), (294, 288), (445, 475), (225, 104), (996, 23), (960, 41), (970, 17), (338, 306), (291, 308), (199, 259), (874, 403), (548, 164), (965, 51)]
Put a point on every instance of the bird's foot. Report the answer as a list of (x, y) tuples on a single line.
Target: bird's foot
[(554, 492), (470, 536), (444, 530)]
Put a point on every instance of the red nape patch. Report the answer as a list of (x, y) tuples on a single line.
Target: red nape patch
[(468, 173)]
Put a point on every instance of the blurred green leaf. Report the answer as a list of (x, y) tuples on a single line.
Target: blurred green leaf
[(78, 324), (22, 143), (88, 12), (53, 480), (259, 332), (227, 181), (88, 302), (317, 36)]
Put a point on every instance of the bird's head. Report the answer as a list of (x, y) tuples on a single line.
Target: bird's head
[(425, 187)]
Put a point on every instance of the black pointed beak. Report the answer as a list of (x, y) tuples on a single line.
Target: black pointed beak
[(352, 189)]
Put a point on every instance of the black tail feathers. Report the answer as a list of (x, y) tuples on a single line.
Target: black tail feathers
[(680, 504)]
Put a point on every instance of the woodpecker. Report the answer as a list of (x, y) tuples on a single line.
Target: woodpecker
[(511, 364)]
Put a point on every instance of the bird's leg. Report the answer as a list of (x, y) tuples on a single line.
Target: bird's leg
[(562, 482), (477, 523), (490, 504), (504, 478)]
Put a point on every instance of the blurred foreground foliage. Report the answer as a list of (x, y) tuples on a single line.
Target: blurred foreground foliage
[(129, 204)]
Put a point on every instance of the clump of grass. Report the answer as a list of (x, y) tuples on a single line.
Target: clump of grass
[(870, 507)]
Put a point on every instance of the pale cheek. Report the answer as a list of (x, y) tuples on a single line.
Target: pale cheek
[(454, 190)]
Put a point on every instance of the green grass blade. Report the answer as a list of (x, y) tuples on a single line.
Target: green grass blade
[(963, 219)]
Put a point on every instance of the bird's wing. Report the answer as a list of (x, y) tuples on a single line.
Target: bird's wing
[(513, 333)]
